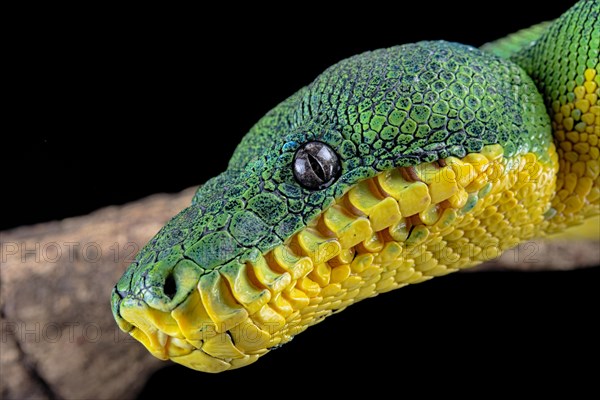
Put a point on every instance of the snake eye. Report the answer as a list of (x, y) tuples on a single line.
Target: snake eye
[(316, 166)]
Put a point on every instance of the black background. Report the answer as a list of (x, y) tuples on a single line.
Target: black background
[(92, 91)]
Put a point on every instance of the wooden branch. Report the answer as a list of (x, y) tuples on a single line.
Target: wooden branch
[(59, 339)]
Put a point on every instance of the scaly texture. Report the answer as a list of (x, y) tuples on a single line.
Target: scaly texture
[(565, 65), (446, 157), (518, 41)]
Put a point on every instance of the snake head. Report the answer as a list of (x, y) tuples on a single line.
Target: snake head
[(202, 275), (326, 197)]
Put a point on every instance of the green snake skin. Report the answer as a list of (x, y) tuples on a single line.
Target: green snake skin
[(394, 107), (403, 106)]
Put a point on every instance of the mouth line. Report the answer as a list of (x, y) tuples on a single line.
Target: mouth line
[(380, 235)]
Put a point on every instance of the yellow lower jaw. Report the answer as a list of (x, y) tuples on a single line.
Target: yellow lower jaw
[(403, 226)]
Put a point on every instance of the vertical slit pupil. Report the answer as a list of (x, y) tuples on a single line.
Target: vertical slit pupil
[(170, 287), (316, 167)]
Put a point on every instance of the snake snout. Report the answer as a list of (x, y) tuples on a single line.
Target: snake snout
[(143, 302)]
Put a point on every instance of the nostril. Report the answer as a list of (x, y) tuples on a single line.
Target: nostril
[(165, 286), (170, 287)]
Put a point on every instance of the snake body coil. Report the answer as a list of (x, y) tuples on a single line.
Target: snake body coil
[(392, 167)]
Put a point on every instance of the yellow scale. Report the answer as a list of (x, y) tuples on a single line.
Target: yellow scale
[(576, 129), (403, 226)]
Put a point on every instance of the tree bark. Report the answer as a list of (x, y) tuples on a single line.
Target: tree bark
[(58, 337)]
